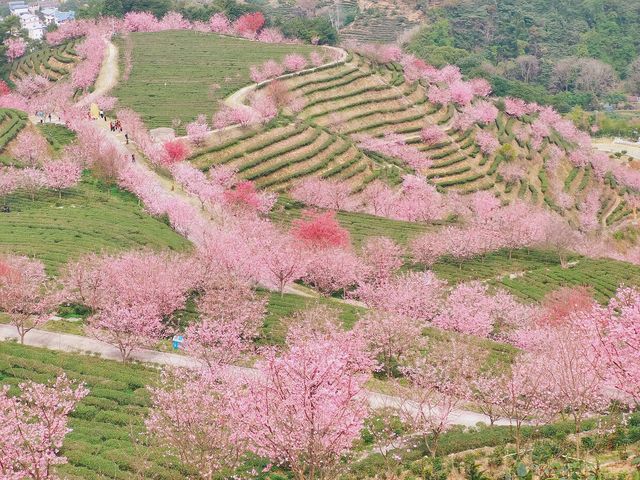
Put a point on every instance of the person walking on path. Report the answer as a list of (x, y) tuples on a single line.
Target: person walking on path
[(126, 137)]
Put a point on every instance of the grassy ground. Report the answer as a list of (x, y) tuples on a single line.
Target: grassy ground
[(89, 218), (58, 136), (180, 74), (537, 272)]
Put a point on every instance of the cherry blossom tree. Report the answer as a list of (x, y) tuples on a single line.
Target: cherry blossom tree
[(30, 148), (382, 258), (140, 22), (511, 172), (219, 23), (267, 71), (294, 62), (197, 130), (320, 230), (486, 394), (440, 383), (9, 182), (62, 174), (559, 305), (394, 145), (469, 309), (238, 115), (25, 295), (526, 394), (432, 134), (249, 24), (284, 259), (333, 269), (515, 107), (487, 142), (33, 426), (130, 295), (244, 197), (614, 329), (231, 315), (176, 151), (305, 408), (414, 295), (271, 35), (577, 375), (16, 47), (323, 193), (201, 431), (390, 337)]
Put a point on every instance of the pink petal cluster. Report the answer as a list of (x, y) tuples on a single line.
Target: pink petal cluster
[(16, 47), (394, 145), (33, 426)]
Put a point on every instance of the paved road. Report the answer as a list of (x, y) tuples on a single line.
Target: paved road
[(77, 344)]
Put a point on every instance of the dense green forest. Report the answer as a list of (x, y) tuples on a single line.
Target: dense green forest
[(568, 52)]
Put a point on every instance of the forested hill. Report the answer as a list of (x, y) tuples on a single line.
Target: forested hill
[(527, 40)]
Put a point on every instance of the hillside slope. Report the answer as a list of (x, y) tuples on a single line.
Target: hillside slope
[(359, 97)]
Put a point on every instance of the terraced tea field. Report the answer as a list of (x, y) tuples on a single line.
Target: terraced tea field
[(53, 63), (89, 218), (105, 423), (11, 122), (181, 74)]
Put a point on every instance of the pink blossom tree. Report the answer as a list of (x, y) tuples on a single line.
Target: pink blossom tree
[(432, 134), (176, 151), (578, 377), (305, 408), (219, 23), (333, 269), (25, 295), (9, 183), (487, 142), (382, 258), (30, 148), (249, 24), (391, 337), (511, 172), (394, 145), (230, 318), (469, 309), (284, 259), (321, 193), (271, 35), (515, 107), (131, 295), (526, 393), (62, 174), (320, 230), (294, 62), (415, 295), (440, 383), (616, 339), (197, 130), (16, 47), (33, 426), (201, 431)]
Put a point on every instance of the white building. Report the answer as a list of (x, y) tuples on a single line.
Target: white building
[(33, 25)]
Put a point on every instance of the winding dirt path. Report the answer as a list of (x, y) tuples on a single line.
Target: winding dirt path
[(108, 76)]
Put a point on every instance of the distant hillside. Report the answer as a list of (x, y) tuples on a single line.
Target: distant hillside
[(533, 42)]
